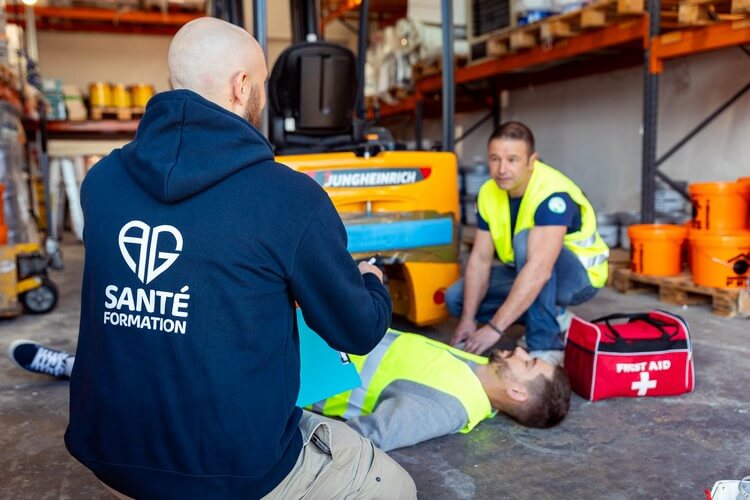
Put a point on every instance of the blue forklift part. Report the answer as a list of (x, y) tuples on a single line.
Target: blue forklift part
[(399, 235)]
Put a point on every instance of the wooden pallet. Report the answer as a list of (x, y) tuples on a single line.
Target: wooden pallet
[(680, 290), (619, 258), (596, 15), (422, 69), (101, 113), (399, 93), (705, 12)]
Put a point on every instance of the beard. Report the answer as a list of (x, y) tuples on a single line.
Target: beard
[(498, 359), (254, 108), (501, 366)]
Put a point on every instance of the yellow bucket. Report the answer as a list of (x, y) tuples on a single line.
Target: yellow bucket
[(100, 95), (141, 93), (120, 96)]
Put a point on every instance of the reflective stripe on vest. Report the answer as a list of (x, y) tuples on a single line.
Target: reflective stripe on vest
[(357, 398), (494, 206), (594, 261), (588, 242), (414, 358)]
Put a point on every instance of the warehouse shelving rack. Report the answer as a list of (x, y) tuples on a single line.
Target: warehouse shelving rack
[(91, 19), (621, 44)]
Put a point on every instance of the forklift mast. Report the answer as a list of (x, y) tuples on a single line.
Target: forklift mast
[(305, 20)]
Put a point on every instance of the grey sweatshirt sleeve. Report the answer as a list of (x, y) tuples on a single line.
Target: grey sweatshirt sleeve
[(409, 413)]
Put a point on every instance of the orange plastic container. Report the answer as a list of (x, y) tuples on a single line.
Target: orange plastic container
[(656, 249), (719, 206), (721, 260), (745, 181), (687, 245)]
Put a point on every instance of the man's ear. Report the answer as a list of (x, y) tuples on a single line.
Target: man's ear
[(517, 393), (240, 84), (533, 158)]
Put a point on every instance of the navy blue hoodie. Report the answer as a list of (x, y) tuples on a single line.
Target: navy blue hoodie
[(197, 246)]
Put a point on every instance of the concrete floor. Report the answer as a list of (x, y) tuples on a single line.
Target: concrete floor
[(667, 448)]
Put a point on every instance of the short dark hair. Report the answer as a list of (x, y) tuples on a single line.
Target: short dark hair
[(514, 130)]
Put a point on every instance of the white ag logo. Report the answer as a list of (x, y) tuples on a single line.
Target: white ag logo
[(147, 240)]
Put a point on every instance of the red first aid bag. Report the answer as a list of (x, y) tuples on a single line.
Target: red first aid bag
[(630, 355)]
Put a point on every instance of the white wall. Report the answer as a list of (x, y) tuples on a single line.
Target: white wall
[(82, 58), (590, 127)]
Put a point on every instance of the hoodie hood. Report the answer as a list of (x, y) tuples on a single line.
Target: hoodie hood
[(185, 144)]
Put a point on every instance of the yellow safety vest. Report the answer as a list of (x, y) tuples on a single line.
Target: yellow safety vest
[(493, 205), (415, 358)]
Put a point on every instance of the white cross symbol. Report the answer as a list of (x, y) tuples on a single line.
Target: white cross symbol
[(644, 384)]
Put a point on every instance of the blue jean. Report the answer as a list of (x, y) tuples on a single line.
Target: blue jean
[(569, 285)]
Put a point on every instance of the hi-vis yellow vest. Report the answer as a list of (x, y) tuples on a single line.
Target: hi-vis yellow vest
[(494, 206), (414, 358)]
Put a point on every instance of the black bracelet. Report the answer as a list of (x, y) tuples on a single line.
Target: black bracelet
[(495, 328)]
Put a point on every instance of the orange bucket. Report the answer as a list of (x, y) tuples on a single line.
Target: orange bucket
[(719, 206), (745, 181), (656, 249), (687, 245), (721, 260)]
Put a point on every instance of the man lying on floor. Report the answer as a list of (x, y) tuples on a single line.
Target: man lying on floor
[(414, 389)]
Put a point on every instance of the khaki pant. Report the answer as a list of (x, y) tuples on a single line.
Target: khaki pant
[(336, 462)]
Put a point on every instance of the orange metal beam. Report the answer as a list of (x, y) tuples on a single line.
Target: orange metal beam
[(94, 15), (92, 127), (346, 6), (405, 105), (151, 29), (683, 43), (610, 36)]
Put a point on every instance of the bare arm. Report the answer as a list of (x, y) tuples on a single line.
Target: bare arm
[(476, 281), (544, 246)]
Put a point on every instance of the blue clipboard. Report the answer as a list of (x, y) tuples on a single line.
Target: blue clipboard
[(324, 372)]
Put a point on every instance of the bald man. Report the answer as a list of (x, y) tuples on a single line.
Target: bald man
[(197, 247)]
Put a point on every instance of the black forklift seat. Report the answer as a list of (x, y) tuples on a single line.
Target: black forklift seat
[(312, 93)]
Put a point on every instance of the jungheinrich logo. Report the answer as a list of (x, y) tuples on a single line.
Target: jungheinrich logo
[(368, 177), (146, 241)]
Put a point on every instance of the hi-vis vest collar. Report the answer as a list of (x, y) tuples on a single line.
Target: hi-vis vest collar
[(415, 358), (494, 207)]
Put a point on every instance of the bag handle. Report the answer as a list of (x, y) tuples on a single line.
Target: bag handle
[(630, 316), (633, 317)]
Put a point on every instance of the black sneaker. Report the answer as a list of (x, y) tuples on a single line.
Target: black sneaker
[(31, 356)]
